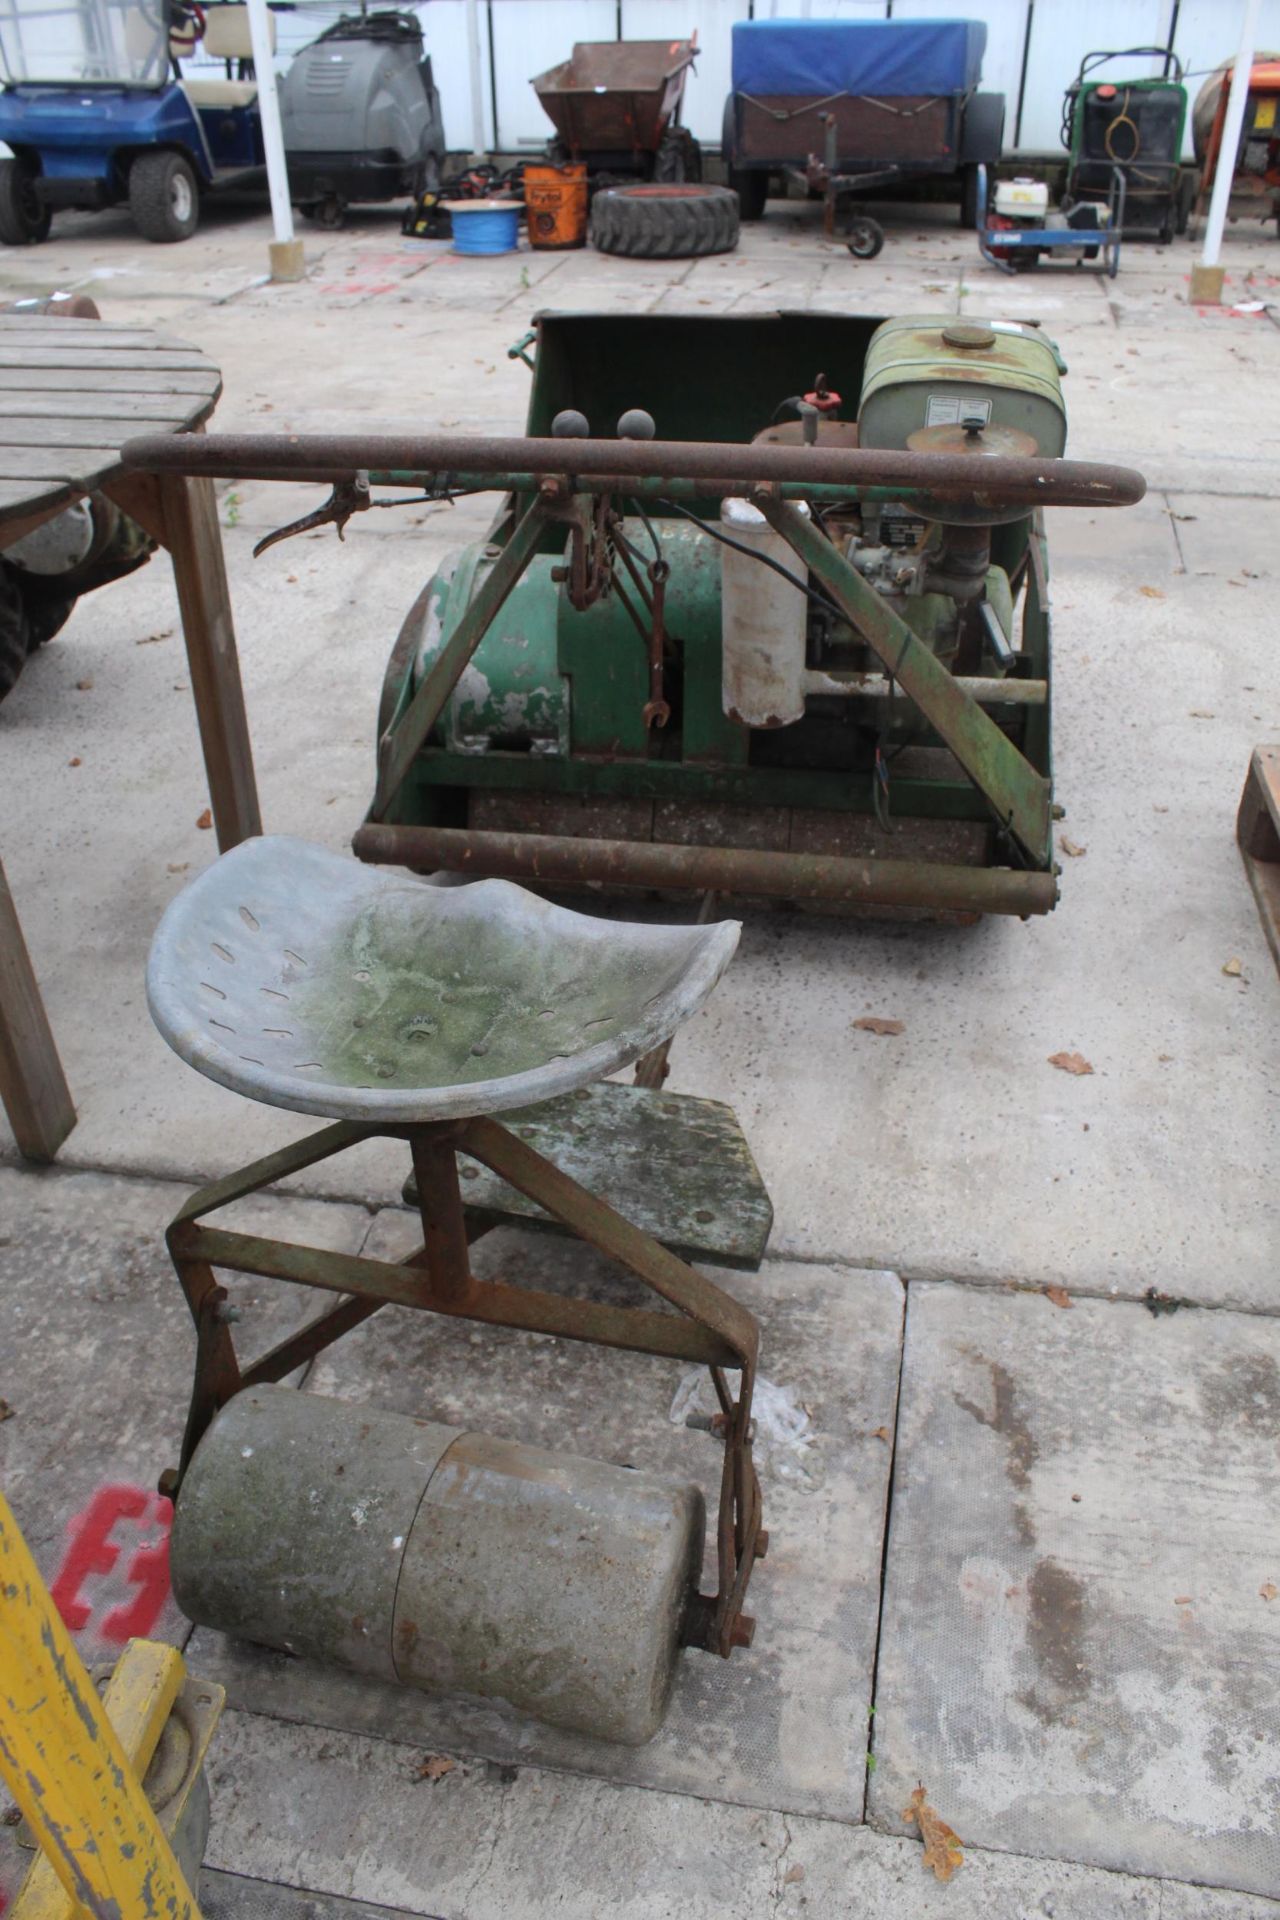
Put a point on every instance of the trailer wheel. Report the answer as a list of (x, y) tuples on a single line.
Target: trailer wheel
[(664, 222), (752, 190), (164, 197), (23, 220), (864, 237)]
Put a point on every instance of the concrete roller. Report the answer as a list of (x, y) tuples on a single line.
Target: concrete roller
[(441, 1559)]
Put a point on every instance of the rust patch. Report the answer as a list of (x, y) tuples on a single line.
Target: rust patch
[(1021, 1450), (1056, 1637)]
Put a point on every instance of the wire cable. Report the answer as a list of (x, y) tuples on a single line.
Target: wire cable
[(818, 596)]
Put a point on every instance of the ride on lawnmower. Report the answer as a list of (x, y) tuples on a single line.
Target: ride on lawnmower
[(98, 112), (775, 652)]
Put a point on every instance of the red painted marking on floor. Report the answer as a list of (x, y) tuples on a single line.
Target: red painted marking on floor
[(91, 1550)]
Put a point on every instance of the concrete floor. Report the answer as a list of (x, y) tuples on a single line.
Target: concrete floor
[(1086, 1686)]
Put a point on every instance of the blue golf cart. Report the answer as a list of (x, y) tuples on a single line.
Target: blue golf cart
[(96, 112)]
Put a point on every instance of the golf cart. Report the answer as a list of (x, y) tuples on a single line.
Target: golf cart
[(97, 111)]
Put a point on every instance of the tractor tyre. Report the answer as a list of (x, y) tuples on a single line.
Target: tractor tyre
[(664, 222), (164, 197), (678, 159), (23, 221), (15, 635)]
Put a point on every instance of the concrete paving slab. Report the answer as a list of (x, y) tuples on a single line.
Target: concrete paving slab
[(1081, 1623), (96, 1352), (349, 1820), (782, 1724)]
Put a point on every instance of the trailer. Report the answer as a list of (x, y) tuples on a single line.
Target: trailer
[(844, 107)]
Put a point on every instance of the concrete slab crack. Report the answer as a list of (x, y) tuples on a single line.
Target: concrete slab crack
[(780, 1866)]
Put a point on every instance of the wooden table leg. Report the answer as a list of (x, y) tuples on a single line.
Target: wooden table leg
[(32, 1084), (194, 540)]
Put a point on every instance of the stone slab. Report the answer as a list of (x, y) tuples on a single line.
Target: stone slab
[(782, 1724), (96, 1352), (1080, 1650), (675, 1167), (347, 1819)]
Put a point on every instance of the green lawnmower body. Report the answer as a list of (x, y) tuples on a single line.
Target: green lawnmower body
[(546, 731)]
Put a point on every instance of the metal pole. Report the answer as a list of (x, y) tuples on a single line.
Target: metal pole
[(478, 148), (285, 252), (1206, 279)]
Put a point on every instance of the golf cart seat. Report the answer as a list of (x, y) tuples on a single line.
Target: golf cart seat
[(227, 37)]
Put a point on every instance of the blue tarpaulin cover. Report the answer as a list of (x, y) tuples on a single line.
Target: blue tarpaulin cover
[(880, 57)]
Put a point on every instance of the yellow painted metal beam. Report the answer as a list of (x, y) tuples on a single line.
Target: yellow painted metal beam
[(76, 1777)]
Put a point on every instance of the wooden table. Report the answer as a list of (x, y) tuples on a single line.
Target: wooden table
[(71, 393)]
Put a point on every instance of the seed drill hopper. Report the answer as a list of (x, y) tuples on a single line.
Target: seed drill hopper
[(764, 612)]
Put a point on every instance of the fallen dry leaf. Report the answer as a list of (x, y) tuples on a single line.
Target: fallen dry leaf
[(205, 821), (1070, 847), (434, 1767), (1269, 1590), (177, 866), (84, 686), (870, 1024), (150, 639), (1152, 593), (792, 1874), (1182, 1599), (1200, 713), (881, 1433), (6, 1411), (1070, 1062), (942, 1846), (76, 762), (1059, 1296), (1233, 968)]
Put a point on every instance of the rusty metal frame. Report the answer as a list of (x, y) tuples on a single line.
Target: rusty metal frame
[(708, 1326)]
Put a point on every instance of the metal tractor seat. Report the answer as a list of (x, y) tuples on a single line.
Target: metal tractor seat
[(397, 1007)]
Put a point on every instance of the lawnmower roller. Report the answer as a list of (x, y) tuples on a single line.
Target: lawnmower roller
[(451, 1561)]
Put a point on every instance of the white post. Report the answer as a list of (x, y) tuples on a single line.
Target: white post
[(1207, 276), (477, 82), (285, 253)]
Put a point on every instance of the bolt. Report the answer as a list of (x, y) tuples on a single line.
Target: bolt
[(226, 1314), (167, 1484), (705, 1422)]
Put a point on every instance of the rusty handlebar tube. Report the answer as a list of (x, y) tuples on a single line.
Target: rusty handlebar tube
[(1001, 481)]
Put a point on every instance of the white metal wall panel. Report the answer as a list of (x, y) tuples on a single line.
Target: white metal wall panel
[(708, 85), (528, 37), (1061, 34)]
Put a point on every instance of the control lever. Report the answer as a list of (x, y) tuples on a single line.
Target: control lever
[(348, 497)]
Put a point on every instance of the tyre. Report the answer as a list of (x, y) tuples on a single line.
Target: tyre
[(15, 637), (664, 222), (864, 237), (969, 197), (164, 197), (23, 221), (45, 617), (752, 190), (678, 159)]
